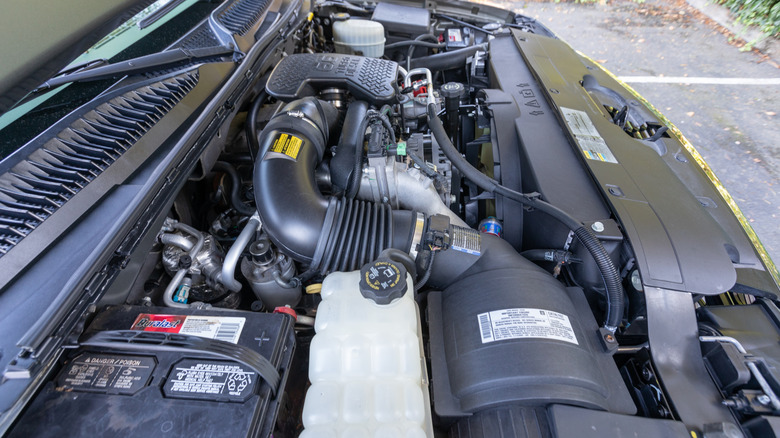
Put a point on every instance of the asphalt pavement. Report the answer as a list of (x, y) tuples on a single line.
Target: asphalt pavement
[(725, 99)]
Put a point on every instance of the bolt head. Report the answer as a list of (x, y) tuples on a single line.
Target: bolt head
[(597, 227), (647, 375), (763, 399)]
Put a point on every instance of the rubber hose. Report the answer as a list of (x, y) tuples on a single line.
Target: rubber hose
[(410, 52), (417, 43), (401, 257), (609, 273), (235, 186), (447, 60), (612, 280), (357, 168), (251, 124), (342, 166)]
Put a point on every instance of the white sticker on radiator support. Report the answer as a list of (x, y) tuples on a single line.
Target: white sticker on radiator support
[(525, 323), (587, 136)]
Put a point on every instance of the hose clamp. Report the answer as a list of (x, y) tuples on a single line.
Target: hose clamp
[(419, 227)]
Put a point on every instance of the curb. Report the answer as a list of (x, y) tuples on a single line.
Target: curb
[(766, 44)]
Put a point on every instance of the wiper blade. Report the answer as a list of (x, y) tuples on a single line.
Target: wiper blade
[(156, 15), (142, 64), (84, 66)]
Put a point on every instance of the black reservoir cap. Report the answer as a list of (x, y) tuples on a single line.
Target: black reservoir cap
[(383, 280), (452, 90)]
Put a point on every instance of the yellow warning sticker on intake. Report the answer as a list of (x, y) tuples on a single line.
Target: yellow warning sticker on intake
[(288, 145)]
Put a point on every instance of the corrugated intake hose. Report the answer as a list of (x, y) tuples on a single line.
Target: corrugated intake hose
[(327, 233), (609, 273)]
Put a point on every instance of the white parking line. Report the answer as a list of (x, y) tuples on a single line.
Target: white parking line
[(698, 80)]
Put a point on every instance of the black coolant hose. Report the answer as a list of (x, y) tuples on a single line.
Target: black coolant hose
[(608, 271), (426, 36), (327, 233), (447, 60), (417, 42), (235, 187), (251, 123), (345, 164), (357, 169)]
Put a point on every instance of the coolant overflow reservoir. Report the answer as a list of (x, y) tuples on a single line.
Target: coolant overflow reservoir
[(359, 37), (366, 362)]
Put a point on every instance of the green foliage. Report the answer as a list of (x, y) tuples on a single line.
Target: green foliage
[(765, 14)]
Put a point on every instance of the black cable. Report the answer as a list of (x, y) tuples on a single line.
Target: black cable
[(419, 285), (415, 43), (235, 186), (658, 134), (550, 255), (611, 277), (388, 126), (427, 171), (251, 124), (463, 23)]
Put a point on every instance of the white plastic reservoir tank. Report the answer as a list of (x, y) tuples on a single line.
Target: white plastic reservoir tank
[(356, 37), (366, 365)]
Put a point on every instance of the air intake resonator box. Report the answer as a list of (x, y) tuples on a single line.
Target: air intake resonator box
[(506, 333), (302, 75)]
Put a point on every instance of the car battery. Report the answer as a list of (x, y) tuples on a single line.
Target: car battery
[(145, 371)]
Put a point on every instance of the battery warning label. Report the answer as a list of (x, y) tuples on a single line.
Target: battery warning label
[(107, 373), (285, 144), (222, 328), (210, 380), (525, 323)]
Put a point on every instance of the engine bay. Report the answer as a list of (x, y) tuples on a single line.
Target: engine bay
[(411, 228)]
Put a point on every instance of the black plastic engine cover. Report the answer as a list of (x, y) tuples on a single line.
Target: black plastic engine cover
[(304, 74)]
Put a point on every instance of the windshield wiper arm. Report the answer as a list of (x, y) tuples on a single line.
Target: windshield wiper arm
[(141, 64)]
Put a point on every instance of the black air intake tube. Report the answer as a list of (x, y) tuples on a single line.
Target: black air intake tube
[(327, 233)]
